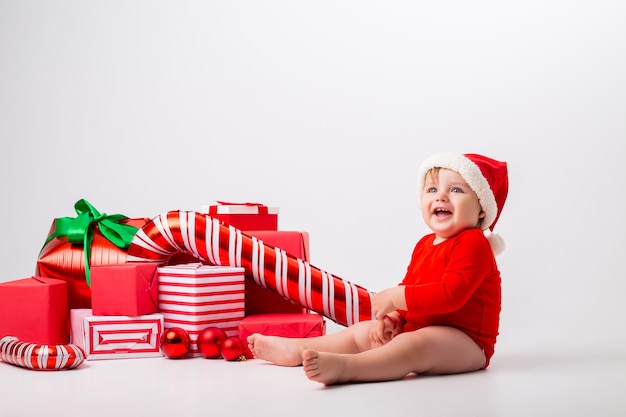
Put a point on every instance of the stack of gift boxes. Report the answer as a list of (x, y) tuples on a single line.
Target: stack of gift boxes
[(132, 303)]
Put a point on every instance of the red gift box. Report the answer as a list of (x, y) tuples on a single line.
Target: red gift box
[(244, 216), (260, 300), (62, 259), (285, 325), (124, 289), (194, 296), (116, 337), (35, 310)]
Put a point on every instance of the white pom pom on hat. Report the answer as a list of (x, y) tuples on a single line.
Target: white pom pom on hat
[(487, 177), (497, 243)]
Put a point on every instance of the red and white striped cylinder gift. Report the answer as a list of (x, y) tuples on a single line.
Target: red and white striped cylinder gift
[(206, 239), (40, 357)]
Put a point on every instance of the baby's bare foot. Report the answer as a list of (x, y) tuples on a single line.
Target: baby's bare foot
[(323, 367), (279, 350)]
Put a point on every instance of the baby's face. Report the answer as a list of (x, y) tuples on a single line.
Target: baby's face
[(449, 205)]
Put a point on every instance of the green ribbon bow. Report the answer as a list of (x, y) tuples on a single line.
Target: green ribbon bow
[(79, 230)]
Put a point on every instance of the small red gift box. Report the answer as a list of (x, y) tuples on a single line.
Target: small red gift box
[(260, 300), (35, 310), (285, 325), (244, 216), (124, 289), (194, 296), (116, 337)]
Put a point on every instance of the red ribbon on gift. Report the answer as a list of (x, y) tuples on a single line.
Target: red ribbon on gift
[(262, 209)]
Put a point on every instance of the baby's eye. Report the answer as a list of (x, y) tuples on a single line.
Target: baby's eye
[(456, 190), (431, 190)]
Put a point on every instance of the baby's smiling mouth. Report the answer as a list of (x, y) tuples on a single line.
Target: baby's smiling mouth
[(441, 212)]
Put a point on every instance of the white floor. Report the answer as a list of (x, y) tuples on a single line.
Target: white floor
[(562, 382)]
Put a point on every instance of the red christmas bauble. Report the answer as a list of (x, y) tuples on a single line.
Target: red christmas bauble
[(175, 342), (232, 348), (210, 342)]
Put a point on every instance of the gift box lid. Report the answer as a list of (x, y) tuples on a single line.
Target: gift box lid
[(221, 207), (286, 325), (33, 281), (198, 268)]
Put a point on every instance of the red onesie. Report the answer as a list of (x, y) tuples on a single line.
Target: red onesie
[(455, 283)]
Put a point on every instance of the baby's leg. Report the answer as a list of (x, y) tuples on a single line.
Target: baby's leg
[(288, 351), (432, 350)]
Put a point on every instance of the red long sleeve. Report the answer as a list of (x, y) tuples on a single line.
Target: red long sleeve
[(455, 283)]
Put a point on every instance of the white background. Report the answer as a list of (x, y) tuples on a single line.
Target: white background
[(326, 109)]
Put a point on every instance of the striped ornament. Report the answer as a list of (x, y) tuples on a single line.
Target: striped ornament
[(210, 241), (40, 357)]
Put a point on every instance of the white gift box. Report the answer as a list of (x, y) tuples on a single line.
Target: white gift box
[(195, 296), (116, 337)]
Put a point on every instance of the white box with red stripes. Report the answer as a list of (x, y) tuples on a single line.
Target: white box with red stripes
[(195, 296), (116, 337)]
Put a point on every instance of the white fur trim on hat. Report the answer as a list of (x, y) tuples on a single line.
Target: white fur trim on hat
[(471, 174)]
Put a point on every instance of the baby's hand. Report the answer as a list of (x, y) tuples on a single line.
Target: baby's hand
[(387, 301), (377, 333), (385, 329)]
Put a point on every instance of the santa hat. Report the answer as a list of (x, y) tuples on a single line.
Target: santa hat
[(487, 177)]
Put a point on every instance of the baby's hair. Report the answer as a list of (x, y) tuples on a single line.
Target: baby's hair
[(431, 174)]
